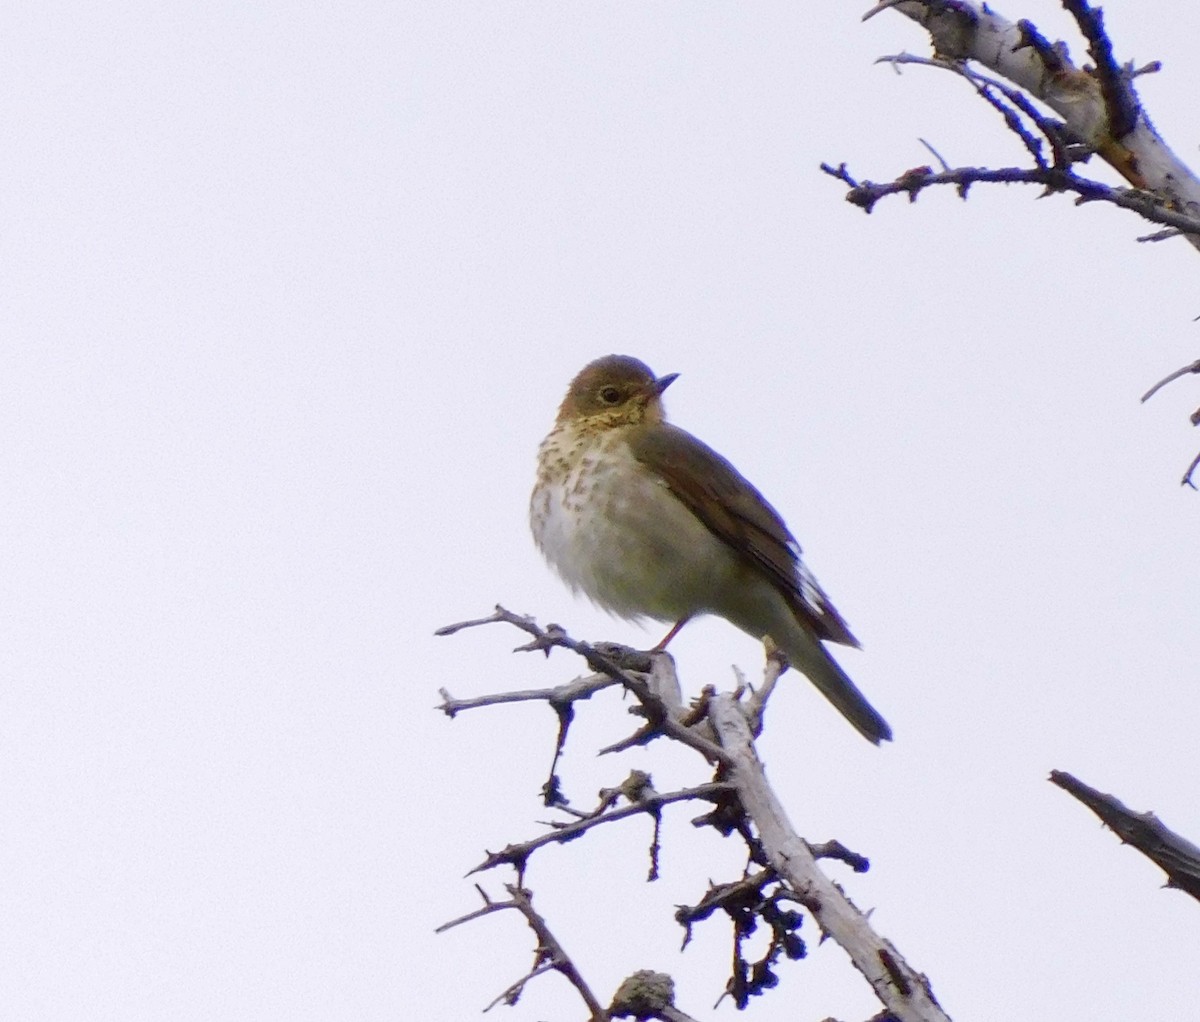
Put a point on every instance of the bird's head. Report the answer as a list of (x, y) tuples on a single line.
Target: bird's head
[(616, 390)]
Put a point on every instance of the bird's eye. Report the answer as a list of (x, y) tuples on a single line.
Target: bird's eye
[(610, 395)]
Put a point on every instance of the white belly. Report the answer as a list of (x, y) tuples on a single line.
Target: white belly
[(615, 532)]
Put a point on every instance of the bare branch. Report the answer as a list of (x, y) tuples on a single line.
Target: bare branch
[(866, 194), (580, 688), (720, 896), (1120, 102), (741, 804), (518, 854), (513, 992), (603, 659), (773, 670), (1174, 854), (1099, 107), (904, 992), (525, 623), (548, 956), (987, 88), (1159, 235), (1191, 469), (549, 947), (489, 907), (936, 155), (1194, 367), (837, 850)]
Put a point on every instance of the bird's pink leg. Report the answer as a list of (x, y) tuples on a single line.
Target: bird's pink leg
[(671, 634)]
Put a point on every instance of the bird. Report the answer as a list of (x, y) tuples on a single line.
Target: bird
[(650, 522)]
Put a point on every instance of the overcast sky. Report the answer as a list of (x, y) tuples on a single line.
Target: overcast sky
[(291, 293)]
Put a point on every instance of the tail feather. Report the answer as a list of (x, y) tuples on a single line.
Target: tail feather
[(805, 653), (759, 609)]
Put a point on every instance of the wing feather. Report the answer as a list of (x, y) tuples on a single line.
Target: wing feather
[(736, 513)]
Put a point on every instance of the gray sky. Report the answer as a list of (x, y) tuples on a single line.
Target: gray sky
[(291, 295)]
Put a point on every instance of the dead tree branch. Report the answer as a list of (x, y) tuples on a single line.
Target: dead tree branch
[(1098, 105), (1096, 108), (903, 991), (782, 882), (549, 955), (866, 194), (1191, 369), (517, 855), (1174, 854)]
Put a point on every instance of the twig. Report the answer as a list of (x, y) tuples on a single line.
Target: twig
[(837, 850), (987, 88), (1162, 235), (1191, 469), (525, 623), (1119, 100), (938, 156), (561, 699), (549, 954), (1053, 56), (879, 8), (512, 993), (773, 670), (580, 688), (602, 661), (720, 896), (517, 855), (1099, 109), (1194, 367), (866, 194)]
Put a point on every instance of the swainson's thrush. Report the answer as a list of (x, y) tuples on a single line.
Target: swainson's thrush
[(648, 521)]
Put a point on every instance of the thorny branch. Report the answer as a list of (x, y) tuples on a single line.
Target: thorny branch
[(1174, 854), (602, 660), (1101, 114), (1120, 101), (904, 992), (1192, 368), (785, 883), (1026, 122), (548, 956), (1098, 106), (517, 855), (866, 194)]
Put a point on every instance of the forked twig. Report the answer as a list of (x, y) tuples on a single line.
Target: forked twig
[(548, 956)]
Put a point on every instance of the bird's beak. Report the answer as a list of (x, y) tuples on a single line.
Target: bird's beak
[(663, 382)]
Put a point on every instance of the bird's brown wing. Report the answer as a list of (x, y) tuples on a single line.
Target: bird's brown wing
[(734, 511)]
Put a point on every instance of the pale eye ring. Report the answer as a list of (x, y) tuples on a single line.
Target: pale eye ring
[(610, 395)]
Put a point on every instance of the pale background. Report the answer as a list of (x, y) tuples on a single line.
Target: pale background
[(291, 292)]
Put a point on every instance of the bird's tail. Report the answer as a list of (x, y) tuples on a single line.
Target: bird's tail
[(805, 653)]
